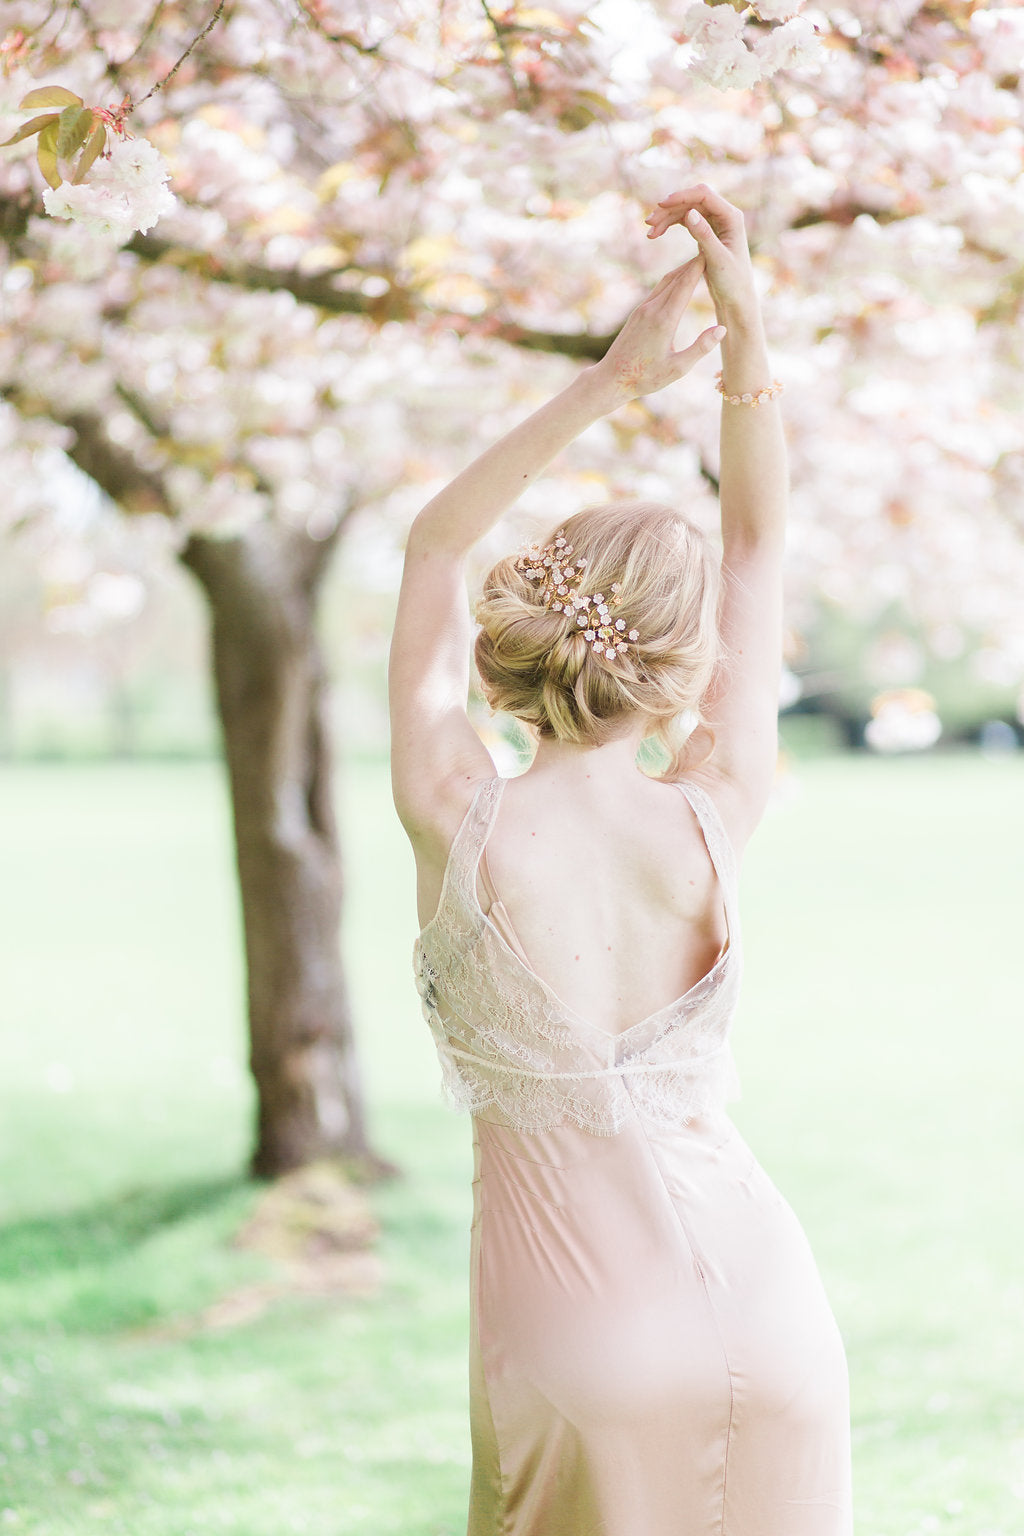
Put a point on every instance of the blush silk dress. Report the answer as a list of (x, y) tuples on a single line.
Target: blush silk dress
[(652, 1352)]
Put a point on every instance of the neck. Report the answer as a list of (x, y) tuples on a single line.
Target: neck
[(615, 760)]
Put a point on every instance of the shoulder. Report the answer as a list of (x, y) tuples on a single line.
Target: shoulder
[(432, 815), (738, 810), (433, 828)]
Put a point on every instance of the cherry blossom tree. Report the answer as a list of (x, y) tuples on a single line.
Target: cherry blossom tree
[(323, 248)]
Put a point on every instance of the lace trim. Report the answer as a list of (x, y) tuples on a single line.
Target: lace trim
[(665, 1096)]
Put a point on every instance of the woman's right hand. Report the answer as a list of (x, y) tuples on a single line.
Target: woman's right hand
[(641, 359), (719, 230)]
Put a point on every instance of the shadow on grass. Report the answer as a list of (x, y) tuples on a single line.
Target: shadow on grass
[(37, 1245), (131, 1259)]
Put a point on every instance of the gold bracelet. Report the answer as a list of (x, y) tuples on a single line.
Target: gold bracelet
[(770, 392)]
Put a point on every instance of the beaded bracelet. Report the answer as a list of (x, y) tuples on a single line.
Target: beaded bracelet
[(770, 392)]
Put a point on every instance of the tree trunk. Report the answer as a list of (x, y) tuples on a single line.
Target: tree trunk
[(262, 588)]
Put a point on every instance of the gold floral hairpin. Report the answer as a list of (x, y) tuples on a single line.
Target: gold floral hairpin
[(554, 569)]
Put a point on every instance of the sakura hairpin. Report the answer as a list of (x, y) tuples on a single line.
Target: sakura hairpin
[(556, 572)]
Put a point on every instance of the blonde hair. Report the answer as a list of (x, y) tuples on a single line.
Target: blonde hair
[(536, 665)]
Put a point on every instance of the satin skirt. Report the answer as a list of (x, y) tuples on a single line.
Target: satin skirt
[(652, 1352)]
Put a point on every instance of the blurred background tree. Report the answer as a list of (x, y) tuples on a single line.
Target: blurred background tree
[(396, 229)]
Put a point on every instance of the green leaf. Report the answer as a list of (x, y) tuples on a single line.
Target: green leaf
[(94, 147), (50, 96), (600, 103), (75, 125), (32, 126), (46, 154)]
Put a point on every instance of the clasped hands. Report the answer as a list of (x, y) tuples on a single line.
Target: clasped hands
[(642, 358)]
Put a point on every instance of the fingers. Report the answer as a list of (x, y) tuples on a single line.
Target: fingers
[(706, 342), (685, 278), (694, 266), (679, 293), (710, 202), (711, 246), (726, 219)]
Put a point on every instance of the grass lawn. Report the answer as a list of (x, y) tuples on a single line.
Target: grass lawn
[(881, 1048)]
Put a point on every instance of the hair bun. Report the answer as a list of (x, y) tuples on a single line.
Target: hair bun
[(651, 577)]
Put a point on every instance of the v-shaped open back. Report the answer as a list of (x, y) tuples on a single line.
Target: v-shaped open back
[(506, 1039), (496, 914)]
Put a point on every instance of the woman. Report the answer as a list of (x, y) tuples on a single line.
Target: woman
[(652, 1353)]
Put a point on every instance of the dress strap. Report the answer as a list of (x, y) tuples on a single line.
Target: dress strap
[(723, 855), (464, 854), (496, 913)]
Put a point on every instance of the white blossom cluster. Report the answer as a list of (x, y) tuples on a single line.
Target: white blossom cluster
[(126, 191), (887, 216), (732, 55)]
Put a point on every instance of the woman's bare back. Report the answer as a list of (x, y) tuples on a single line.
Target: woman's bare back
[(610, 890)]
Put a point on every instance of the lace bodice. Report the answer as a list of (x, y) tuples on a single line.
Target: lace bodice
[(508, 1045)]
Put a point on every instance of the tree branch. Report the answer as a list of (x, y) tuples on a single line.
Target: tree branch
[(312, 555), (843, 213), (174, 69), (136, 490), (160, 431), (146, 34), (349, 39), (113, 469), (506, 61), (319, 289)]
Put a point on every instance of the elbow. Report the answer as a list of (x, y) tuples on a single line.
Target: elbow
[(429, 536), (418, 537)]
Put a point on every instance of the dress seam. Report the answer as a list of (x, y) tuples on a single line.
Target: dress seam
[(725, 1357), (714, 1315), (732, 1407)]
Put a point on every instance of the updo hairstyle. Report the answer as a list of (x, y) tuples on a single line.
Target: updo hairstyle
[(534, 662)]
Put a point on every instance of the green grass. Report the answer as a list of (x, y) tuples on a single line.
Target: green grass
[(882, 1056)]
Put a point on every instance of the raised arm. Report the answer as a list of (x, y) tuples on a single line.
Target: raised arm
[(753, 491), (436, 755)]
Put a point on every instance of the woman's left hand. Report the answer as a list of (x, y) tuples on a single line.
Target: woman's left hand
[(719, 230), (641, 359)]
